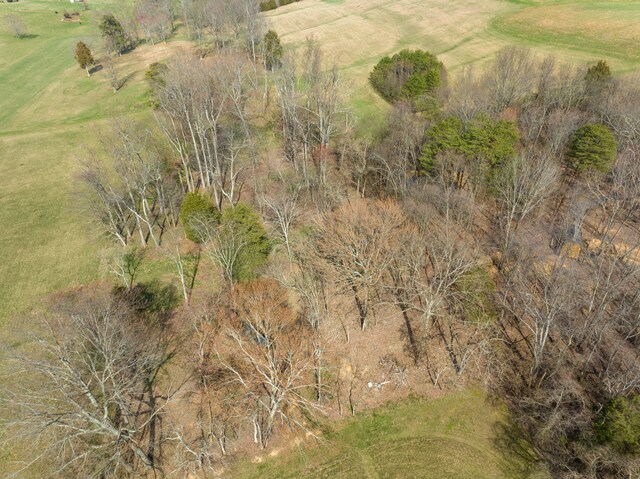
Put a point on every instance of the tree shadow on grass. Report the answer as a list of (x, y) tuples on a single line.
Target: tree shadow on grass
[(125, 80), (517, 458)]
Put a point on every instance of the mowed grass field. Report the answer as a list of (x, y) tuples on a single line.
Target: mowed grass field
[(356, 33), (461, 435), (603, 29), (51, 118)]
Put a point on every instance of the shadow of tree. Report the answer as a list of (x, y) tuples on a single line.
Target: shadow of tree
[(517, 458), (125, 80)]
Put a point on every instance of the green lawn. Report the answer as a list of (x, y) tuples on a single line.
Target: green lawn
[(356, 34), (50, 117), (461, 435), (576, 30)]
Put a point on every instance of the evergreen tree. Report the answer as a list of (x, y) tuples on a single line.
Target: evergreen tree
[(246, 227), (198, 215), (598, 79), (84, 57), (155, 76), (593, 148), (407, 75), (491, 142), (272, 50), (619, 424), (113, 33)]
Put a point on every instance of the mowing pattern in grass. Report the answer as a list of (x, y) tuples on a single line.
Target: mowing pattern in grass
[(606, 29), (358, 33), (458, 436), (50, 114)]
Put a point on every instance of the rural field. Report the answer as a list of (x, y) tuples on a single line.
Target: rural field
[(458, 436), (53, 117)]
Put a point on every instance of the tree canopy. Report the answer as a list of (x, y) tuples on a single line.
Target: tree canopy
[(247, 229), (484, 139), (197, 214), (155, 77), (619, 424), (593, 148), (113, 33), (408, 75), (84, 57), (272, 50)]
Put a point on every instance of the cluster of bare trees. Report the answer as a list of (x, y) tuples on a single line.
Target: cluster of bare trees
[(155, 19), (202, 112), (93, 401), (310, 113), (219, 23), (137, 196)]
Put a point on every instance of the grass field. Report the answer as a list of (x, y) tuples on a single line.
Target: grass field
[(460, 435), (356, 33), (603, 29), (50, 117)]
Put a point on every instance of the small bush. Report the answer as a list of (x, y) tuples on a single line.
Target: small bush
[(619, 425)]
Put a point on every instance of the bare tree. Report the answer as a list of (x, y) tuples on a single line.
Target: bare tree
[(126, 266), (267, 351), (524, 183), (354, 241), (282, 213), (137, 195), (15, 25), (309, 112), (91, 396), (509, 79), (186, 269), (195, 100), (155, 18), (224, 247), (469, 99), (112, 73), (398, 159), (542, 297), (218, 401)]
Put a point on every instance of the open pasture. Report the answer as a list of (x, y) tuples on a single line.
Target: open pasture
[(357, 33)]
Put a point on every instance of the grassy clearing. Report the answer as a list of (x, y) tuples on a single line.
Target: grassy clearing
[(460, 435), (50, 114), (357, 34), (603, 29)]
